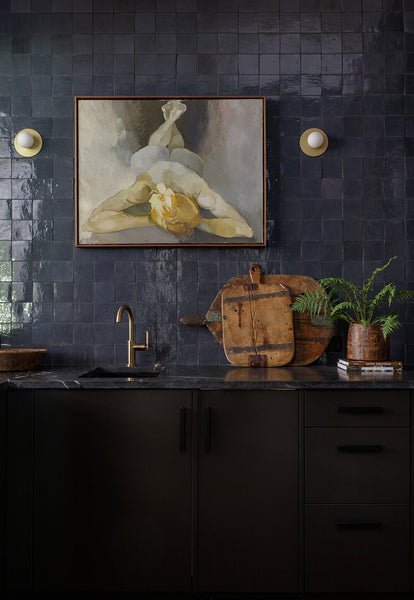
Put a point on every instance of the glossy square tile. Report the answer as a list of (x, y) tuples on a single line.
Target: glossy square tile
[(331, 22), (62, 44), (124, 23), (290, 43), (269, 85), (83, 312), (248, 43), (228, 43), (123, 44), (248, 64), (20, 43), (63, 229), (290, 63), (287, 6), (82, 44), (248, 84), (165, 64), (165, 42), (290, 84), (84, 272), (102, 65), (145, 43), (290, 22), (269, 22), (83, 86), (102, 23), (21, 64), (144, 22), (228, 22), (269, 43)]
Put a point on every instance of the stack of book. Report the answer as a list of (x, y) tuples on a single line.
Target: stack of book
[(368, 366)]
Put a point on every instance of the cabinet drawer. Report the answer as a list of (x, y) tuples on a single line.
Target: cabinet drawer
[(357, 408), (358, 548), (357, 465)]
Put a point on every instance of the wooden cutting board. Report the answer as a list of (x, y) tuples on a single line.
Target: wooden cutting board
[(257, 324), (311, 338)]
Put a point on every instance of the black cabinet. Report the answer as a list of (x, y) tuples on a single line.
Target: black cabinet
[(247, 525), (357, 491), (112, 490), (210, 491)]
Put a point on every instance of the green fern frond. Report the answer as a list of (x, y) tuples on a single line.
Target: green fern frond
[(403, 295), (340, 311), (336, 285), (386, 295), (315, 304), (366, 288), (389, 322), (312, 302), (344, 289)]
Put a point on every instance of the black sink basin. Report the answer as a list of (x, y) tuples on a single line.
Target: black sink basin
[(119, 373)]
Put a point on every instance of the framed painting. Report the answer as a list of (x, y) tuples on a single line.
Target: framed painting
[(159, 171)]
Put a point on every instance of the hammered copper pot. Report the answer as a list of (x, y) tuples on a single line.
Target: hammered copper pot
[(367, 343)]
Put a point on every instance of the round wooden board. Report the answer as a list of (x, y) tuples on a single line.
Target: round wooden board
[(310, 340)]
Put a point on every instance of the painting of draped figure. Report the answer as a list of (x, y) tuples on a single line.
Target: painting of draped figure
[(170, 171)]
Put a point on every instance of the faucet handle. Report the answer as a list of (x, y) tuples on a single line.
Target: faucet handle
[(143, 346)]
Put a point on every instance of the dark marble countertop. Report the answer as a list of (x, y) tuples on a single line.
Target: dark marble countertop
[(213, 377)]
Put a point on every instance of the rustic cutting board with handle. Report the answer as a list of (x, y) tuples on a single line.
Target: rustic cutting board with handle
[(257, 324), (311, 337)]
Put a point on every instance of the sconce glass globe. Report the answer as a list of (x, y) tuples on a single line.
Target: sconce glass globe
[(25, 139), (315, 139)]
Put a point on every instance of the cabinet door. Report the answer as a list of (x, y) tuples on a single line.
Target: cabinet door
[(19, 490), (248, 492), (112, 490)]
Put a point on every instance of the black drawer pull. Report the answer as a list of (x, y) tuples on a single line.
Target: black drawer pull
[(359, 525), (359, 410), (207, 429), (182, 429), (358, 448)]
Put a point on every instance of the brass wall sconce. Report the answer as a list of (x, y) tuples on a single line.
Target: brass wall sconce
[(28, 142), (314, 142)]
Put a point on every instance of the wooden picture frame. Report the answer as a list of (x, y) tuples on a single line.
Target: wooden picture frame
[(170, 171)]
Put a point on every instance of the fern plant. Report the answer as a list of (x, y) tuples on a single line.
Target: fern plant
[(340, 299)]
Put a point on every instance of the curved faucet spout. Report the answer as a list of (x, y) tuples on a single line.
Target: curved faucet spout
[(119, 314)]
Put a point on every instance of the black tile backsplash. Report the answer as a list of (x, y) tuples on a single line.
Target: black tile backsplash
[(344, 66)]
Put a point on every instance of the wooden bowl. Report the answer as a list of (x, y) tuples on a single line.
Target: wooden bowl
[(20, 359)]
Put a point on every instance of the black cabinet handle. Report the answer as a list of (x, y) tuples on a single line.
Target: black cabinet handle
[(359, 525), (359, 410), (207, 429), (359, 448), (182, 428)]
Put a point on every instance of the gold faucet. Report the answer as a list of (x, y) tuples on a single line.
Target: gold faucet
[(132, 346)]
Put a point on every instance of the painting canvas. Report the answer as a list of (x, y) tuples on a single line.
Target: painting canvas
[(158, 171)]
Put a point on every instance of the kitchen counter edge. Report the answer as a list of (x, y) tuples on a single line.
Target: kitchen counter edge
[(210, 377)]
